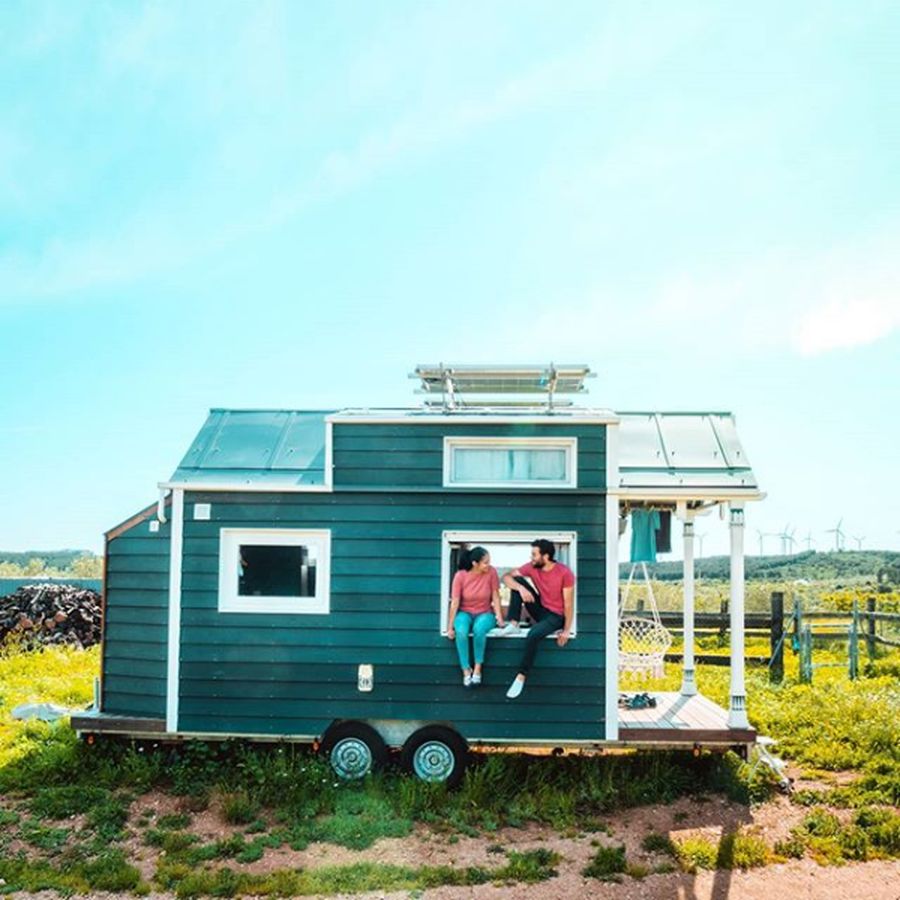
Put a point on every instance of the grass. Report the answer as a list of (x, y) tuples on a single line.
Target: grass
[(529, 867), (607, 864), (47, 777)]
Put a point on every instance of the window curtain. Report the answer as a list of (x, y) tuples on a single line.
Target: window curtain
[(474, 464)]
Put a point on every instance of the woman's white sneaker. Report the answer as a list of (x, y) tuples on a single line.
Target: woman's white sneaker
[(467, 680), (476, 679), (515, 688)]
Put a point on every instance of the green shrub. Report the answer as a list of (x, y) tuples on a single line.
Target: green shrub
[(696, 853), (174, 821), (111, 872), (607, 864), (821, 823), (67, 800), (742, 850), (793, 847), (658, 843), (238, 808)]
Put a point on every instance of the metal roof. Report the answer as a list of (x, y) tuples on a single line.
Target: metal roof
[(257, 446), (660, 454), (683, 452)]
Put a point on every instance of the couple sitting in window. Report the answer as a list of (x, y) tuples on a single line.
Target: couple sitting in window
[(542, 588)]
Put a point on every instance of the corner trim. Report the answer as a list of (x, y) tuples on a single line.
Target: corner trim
[(173, 660), (612, 584)]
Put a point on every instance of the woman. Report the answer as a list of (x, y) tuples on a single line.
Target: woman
[(473, 594)]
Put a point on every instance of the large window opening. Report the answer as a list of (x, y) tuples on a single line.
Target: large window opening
[(509, 551)]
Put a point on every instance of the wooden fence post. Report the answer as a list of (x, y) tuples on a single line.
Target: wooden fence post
[(870, 628), (854, 643), (776, 638), (806, 666)]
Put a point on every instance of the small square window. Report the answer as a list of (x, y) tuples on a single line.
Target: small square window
[(274, 570)]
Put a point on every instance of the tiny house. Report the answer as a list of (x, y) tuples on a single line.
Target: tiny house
[(292, 580)]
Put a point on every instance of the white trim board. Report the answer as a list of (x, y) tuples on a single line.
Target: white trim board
[(173, 660), (416, 417), (612, 586), (243, 486)]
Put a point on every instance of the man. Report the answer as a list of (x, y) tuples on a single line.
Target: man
[(551, 604)]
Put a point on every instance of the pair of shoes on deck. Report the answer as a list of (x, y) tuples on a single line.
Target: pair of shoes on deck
[(472, 680)]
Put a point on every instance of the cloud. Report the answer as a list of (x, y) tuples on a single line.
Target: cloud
[(841, 296), (187, 223), (855, 301)]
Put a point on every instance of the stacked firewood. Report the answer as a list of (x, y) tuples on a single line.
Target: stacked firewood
[(47, 613)]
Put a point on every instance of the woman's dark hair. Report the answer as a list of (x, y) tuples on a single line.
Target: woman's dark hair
[(547, 548), (468, 557)]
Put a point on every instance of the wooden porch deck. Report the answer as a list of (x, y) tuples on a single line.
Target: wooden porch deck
[(678, 720)]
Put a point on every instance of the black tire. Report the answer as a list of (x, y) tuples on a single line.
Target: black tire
[(438, 750), (353, 749)]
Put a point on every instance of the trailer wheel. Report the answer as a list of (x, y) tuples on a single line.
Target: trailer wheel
[(354, 750), (436, 754)]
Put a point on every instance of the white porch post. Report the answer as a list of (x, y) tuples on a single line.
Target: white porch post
[(737, 712), (688, 683)]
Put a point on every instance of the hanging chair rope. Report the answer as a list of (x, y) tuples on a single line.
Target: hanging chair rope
[(643, 640)]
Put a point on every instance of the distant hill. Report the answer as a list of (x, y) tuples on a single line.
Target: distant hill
[(53, 559), (850, 565)]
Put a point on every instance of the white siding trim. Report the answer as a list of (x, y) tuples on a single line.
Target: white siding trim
[(568, 444), (243, 487), (612, 585), (415, 417), (329, 455), (174, 638)]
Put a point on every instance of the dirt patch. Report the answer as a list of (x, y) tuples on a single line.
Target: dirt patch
[(712, 817)]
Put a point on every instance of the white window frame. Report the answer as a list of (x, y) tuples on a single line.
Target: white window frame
[(504, 537), (567, 444), (230, 541)]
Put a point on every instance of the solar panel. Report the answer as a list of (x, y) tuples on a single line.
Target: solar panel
[(454, 382)]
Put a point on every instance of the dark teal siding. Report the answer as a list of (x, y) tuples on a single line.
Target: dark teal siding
[(410, 457), (293, 675), (136, 622)]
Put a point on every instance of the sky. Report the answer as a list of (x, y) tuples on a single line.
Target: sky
[(276, 204)]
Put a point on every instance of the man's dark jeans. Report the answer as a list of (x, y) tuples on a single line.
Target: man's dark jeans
[(545, 622)]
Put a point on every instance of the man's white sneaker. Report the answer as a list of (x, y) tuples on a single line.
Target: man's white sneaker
[(510, 627), (515, 688)]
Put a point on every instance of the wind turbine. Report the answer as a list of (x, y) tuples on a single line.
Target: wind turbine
[(762, 536), (787, 540), (858, 540), (809, 541), (838, 534)]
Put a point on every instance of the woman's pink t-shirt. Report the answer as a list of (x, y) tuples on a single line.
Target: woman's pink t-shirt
[(474, 590)]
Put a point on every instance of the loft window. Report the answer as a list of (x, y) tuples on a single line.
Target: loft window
[(527, 462), (274, 570), (509, 550)]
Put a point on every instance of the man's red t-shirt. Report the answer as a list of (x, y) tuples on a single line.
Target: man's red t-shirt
[(550, 584)]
